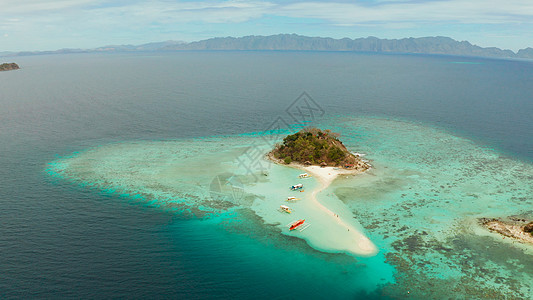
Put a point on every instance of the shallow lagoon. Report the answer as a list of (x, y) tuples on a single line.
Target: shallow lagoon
[(419, 203)]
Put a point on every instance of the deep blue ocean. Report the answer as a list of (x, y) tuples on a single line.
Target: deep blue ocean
[(61, 240)]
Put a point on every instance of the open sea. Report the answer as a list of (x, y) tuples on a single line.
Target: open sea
[(107, 165)]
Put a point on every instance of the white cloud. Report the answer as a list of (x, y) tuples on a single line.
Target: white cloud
[(458, 11), (209, 12), (32, 6), (40, 22), (235, 11)]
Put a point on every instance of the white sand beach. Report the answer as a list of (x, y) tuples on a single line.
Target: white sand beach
[(333, 228), (346, 237)]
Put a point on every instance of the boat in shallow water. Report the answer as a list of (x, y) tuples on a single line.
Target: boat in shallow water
[(285, 208), (297, 224), (298, 186)]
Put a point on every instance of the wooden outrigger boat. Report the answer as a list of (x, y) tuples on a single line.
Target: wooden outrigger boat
[(299, 225), (298, 186), (285, 208), (296, 224)]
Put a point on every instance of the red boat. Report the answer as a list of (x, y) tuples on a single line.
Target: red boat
[(297, 224)]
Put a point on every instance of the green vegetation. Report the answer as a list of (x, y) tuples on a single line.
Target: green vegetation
[(313, 146)]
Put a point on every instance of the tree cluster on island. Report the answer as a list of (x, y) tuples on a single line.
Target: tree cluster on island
[(312, 146), (9, 66)]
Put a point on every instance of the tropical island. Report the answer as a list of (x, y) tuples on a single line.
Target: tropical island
[(9, 66), (312, 146), (323, 156)]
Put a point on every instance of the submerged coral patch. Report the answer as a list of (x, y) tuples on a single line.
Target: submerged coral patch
[(419, 203)]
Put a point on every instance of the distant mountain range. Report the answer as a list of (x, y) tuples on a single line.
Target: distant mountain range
[(294, 42)]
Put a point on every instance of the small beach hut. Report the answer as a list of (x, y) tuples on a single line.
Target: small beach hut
[(323, 164)]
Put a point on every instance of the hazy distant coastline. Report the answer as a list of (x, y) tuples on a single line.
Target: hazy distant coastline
[(293, 42)]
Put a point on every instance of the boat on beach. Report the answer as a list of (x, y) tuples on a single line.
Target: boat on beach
[(296, 224)]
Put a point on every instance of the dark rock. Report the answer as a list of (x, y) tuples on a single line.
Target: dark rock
[(528, 227)]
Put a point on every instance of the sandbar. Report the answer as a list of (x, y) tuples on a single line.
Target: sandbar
[(358, 243), (331, 230)]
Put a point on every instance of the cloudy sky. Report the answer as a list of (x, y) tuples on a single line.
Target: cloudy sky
[(54, 24)]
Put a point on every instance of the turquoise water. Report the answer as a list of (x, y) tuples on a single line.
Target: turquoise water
[(451, 142), (178, 176), (419, 203)]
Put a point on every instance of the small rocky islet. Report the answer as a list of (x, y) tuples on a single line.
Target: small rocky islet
[(9, 66), (516, 228)]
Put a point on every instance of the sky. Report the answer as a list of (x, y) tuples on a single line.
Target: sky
[(35, 25)]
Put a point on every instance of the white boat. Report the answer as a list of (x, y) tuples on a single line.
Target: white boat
[(285, 208), (298, 186), (292, 198), (304, 175)]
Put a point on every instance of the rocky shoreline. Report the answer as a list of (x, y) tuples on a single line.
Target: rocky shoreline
[(515, 228), (359, 167)]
